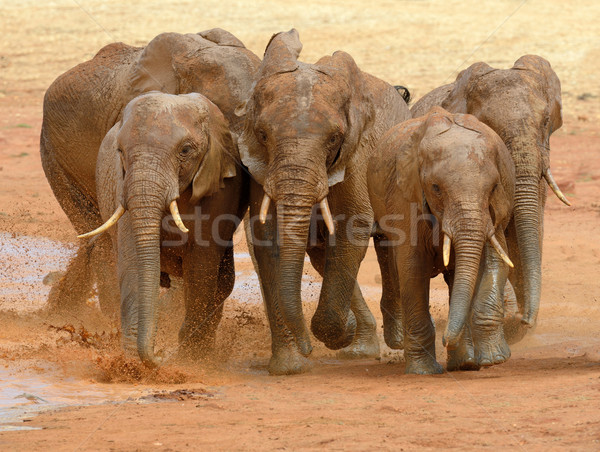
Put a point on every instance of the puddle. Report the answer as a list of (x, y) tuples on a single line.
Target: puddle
[(24, 394)]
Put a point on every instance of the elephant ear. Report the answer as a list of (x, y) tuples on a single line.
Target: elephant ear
[(281, 54), (110, 172), (220, 159), (158, 67), (406, 139), (221, 37), (359, 109), (456, 101)]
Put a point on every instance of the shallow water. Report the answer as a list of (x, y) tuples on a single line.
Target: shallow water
[(24, 393)]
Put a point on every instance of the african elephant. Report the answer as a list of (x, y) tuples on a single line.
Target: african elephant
[(82, 105), (523, 106), (310, 130), (446, 177), (171, 153)]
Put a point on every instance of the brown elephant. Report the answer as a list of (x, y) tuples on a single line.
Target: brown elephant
[(82, 105), (310, 130), (171, 153), (446, 178), (523, 106)]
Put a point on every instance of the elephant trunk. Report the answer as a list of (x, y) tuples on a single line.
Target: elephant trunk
[(293, 223), (528, 214), (146, 202), (468, 239)]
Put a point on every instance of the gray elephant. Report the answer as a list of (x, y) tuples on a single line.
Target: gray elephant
[(523, 106), (445, 178), (82, 105), (310, 131), (171, 153)]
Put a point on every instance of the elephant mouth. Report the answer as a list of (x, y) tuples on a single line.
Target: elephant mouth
[(120, 211), (323, 205)]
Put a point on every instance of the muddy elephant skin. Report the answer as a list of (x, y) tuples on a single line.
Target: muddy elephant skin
[(82, 105), (446, 179), (523, 106), (173, 154), (310, 130)]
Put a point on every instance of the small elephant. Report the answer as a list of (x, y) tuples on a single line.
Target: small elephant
[(171, 153), (309, 133), (82, 105), (523, 106), (446, 178)]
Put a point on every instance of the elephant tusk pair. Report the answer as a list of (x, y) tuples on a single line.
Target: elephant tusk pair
[(554, 186), (119, 213), (493, 241), (106, 226), (324, 205)]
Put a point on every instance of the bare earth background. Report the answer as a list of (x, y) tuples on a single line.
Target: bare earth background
[(546, 396)]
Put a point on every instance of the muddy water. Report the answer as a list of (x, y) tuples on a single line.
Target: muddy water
[(26, 261)]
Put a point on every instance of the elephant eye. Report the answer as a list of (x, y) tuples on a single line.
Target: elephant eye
[(261, 135), (436, 188), (186, 150)]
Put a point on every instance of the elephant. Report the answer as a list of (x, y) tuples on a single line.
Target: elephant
[(171, 153), (309, 132), (523, 106), (83, 104), (446, 178)]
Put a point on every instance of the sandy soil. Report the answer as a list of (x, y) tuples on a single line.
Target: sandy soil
[(546, 396)]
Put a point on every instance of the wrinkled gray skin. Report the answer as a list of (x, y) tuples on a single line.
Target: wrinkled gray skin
[(458, 170), (310, 130), (523, 106), (167, 148), (83, 104)]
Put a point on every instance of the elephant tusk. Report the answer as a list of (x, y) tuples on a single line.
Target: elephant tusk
[(175, 212), (109, 224), (554, 186), (446, 249), (500, 251), (327, 216), (264, 209)]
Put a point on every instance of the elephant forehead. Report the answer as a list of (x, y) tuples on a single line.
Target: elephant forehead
[(155, 128), (457, 146)]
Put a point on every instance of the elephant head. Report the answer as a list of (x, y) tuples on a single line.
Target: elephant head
[(462, 173), (163, 145), (304, 123)]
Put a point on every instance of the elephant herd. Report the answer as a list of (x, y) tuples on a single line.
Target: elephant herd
[(167, 147)]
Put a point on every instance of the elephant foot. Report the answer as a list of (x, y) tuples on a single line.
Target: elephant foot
[(514, 329), (462, 358), (331, 332), (288, 361), (364, 346), (491, 351), (423, 366), (393, 333)]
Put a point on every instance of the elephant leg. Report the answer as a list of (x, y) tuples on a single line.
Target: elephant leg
[(105, 274), (288, 355), (72, 291), (462, 357), (204, 268), (128, 286), (391, 307), (514, 329), (488, 310), (69, 294), (365, 343), (413, 270)]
